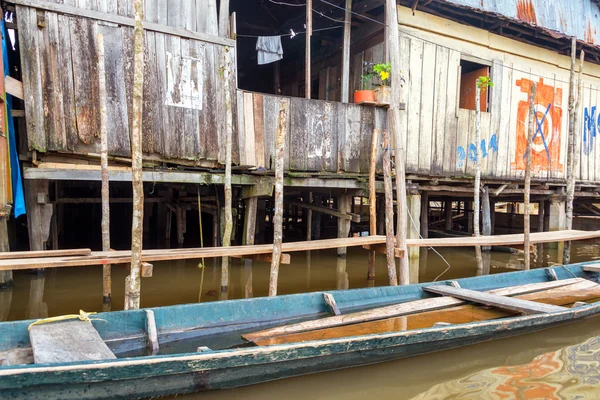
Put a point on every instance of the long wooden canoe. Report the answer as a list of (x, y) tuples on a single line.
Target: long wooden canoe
[(234, 343)]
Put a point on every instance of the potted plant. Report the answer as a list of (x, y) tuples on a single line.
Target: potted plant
[(366, 94), (383, 92)]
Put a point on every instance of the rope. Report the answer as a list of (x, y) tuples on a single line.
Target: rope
[(83, 316)]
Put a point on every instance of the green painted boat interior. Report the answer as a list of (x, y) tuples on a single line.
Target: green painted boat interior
[(219, 325)]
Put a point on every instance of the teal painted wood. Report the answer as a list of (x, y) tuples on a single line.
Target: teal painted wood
[(184, 373)]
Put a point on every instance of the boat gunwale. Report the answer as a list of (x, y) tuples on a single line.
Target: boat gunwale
[(414, 337)]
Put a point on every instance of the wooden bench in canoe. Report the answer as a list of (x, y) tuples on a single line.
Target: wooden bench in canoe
[(395, 322)]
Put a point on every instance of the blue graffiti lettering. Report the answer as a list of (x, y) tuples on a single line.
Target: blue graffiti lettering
[(461, 154), (472, 152), (589, 129)]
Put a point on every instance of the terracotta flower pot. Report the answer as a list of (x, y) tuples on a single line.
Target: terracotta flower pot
[(361, 96)]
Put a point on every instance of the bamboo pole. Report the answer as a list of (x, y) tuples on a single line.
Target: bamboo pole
[(573, 142), (527, 190), (227, 188), (393, 53), (278, 217), (389, 209), (477, 183), (202, 263), (307, 69), (106, 269), (136, 158), (373, 201)]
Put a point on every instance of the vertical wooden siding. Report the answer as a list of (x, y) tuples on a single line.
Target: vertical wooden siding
[(440, 136), (323, 136), (58, 55)]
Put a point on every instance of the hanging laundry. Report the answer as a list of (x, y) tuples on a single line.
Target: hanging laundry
[(269, 49)]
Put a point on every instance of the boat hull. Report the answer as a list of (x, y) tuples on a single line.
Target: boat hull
[(187, 373)]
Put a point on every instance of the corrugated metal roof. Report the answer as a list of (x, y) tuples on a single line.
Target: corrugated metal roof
[(580, 18)]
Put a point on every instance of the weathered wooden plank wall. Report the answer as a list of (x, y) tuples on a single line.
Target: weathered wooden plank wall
[(182, 112), (440, 137), (323, 136)]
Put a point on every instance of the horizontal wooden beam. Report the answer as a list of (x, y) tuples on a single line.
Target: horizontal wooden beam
[(285, 258), (326, 210), (118, 19), (14, 87)]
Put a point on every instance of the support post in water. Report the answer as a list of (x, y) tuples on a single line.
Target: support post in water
[(389, 209), (6, 277), (393, 55), (136, 159), (572, 142), (278, 217), (527, 190), (227, 187), (106, 269), (477, 184), (373, 201)]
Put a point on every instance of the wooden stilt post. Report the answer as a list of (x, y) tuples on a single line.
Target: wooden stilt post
[(106, 269), (248, 239), (527, 190), (424, 215), (344, 206), (346, 54), (136, 159), (448, 214), (307, 71), (309, 218), (540, 228), (573, 142), (278, 217), (6, 277), (393, 53), (486, 213), (389, 209), (373, 201)]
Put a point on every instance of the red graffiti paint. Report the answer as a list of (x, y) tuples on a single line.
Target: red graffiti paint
[(545, 155)]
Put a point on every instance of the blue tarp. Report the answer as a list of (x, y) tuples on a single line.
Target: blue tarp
[(15, 168)]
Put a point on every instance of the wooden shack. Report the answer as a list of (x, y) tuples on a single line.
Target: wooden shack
[(444, 45)]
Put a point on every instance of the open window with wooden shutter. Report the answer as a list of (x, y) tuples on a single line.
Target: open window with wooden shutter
[(470, 71)]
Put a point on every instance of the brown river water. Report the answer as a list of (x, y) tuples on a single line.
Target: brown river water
[(562, 363)]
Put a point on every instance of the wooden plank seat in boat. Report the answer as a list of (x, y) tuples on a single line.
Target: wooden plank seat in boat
[(396, 310), (463, 312), (494, 300), (67, 341)]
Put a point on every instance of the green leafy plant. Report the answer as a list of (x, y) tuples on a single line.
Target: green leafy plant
[(367, 76), (484, 82), (383, 72)]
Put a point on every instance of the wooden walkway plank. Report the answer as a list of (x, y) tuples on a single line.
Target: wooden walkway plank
[(124, 257), (12, 255), (67, 341), (494, 300), (397, 310)]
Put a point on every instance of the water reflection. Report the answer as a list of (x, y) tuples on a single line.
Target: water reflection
[(569, 373)]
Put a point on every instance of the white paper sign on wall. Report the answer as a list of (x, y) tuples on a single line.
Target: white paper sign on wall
[(184, 81)]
